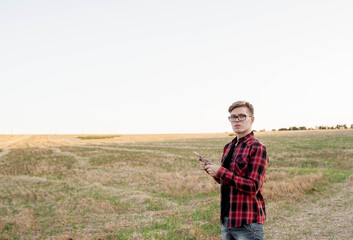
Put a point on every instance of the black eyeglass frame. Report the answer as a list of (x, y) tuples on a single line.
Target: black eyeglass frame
[(240, 117)]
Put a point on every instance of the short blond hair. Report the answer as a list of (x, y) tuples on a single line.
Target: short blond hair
[(242, 104)]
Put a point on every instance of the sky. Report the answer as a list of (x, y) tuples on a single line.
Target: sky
[(136, 67)]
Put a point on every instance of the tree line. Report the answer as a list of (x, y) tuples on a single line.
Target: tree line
[(338, 126)]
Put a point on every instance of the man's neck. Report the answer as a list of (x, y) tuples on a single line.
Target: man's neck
[(243, 134)]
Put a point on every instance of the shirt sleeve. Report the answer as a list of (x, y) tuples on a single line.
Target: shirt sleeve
[(253, 180), (217, 180)]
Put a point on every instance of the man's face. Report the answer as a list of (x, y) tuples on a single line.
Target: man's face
[(241, 128)]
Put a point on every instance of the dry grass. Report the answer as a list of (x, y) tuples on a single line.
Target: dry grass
[(62, 189), (25, 141), (178, 185), (279, 185)]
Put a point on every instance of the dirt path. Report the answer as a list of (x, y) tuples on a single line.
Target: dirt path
[(315, 217), (4, 152)]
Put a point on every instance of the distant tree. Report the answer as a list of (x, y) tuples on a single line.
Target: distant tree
[(321, 127), (341, 126)]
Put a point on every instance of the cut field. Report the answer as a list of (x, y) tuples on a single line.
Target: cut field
[(151, 187)]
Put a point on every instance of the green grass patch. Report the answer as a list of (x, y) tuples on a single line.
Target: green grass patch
[(122, 156), (332, 175), (207, 219), (91, 137), (165, 229), (35, 161)]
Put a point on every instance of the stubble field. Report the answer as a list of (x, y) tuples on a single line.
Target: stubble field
[(151, 187)]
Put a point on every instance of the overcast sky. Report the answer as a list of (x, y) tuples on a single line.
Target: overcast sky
[(173, 66)]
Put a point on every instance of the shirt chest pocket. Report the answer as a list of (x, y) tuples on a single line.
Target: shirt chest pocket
[(241, 166)]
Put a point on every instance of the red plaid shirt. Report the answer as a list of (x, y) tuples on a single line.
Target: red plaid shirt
[(245, 176)]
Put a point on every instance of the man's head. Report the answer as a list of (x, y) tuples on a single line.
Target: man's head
[(242, 104), (241, 117)]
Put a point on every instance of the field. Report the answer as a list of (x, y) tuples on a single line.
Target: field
[(151, 187)]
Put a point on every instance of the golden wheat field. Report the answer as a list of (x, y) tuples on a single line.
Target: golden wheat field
[(151, 187)]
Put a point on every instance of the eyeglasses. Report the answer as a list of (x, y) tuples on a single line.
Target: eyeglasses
[(240, 117)]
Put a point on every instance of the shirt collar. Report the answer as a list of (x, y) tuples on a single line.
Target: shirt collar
[(244, 139)]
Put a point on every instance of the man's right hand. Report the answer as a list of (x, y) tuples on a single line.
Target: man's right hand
[(203, 165)]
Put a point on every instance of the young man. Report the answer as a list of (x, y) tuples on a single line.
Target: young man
[(241, 175)]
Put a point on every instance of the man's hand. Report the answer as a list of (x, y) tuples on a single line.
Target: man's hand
[(212, 169), (203, 165)]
